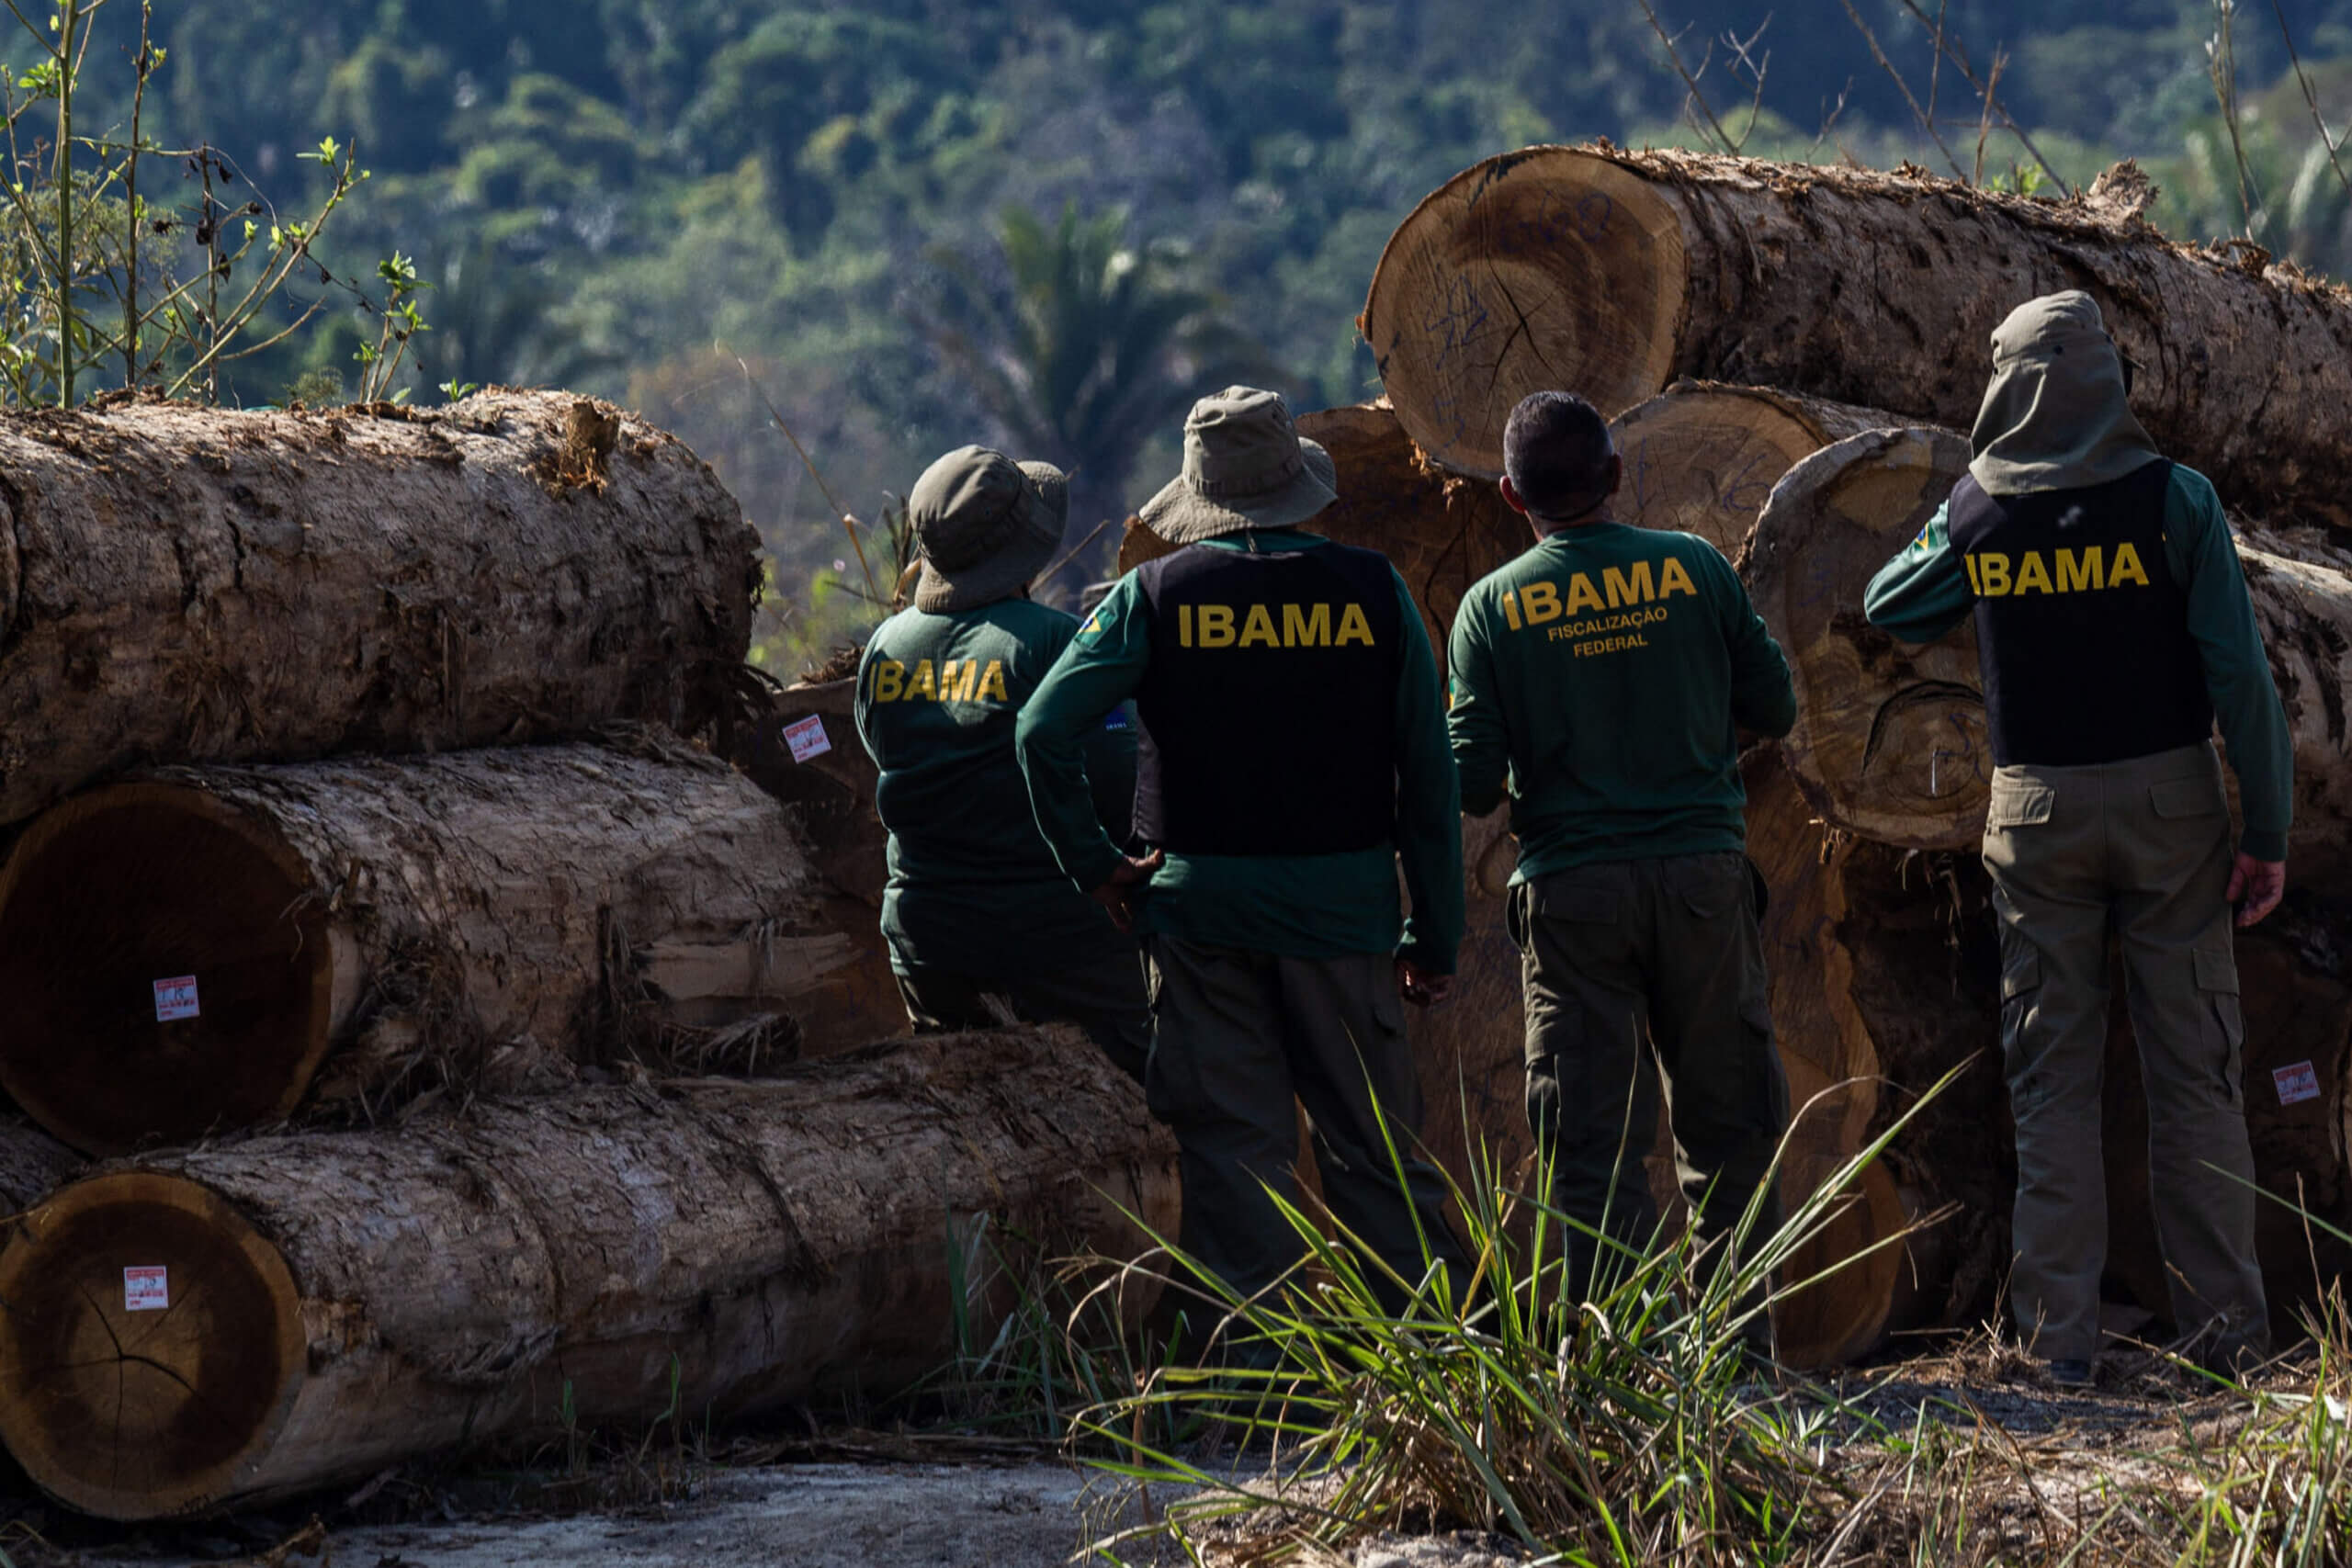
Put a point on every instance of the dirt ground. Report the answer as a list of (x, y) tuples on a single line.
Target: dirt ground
[(806, 1516), (860, 1499)]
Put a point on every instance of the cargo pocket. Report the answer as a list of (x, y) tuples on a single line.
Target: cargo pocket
[(1709, 886), (2018, 803), (2217, 988), (2021, 985)]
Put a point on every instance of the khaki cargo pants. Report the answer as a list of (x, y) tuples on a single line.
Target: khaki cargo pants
[(2138, 850), (1622, 962), (1237, 1036)]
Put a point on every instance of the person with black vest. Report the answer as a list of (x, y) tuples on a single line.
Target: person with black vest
[(2113, 627), (1293, 748), (1600, 682)]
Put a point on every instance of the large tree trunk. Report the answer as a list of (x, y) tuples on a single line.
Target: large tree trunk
[(325, 1306), (462, 918), (1702, 458), (1890, 740), (849, 849), (31, 1163), (1612, 272), (189, 584)]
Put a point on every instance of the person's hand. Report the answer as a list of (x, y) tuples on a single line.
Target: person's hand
[(1420, 987), (1117, 894), (2260, 884)]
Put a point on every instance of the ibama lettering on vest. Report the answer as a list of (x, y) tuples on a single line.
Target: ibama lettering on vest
[(1995, 575), (953, 681), (1535, 602), (1302, 625)]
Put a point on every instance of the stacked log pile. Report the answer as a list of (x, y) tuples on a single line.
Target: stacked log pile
[(1798, 412), (380, 897)]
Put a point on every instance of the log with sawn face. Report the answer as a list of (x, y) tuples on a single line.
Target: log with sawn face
[(1612, 273)]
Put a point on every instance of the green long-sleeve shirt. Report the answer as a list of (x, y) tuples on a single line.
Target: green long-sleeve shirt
[(1325, 906), (1597, 680), (973, 890), (1923, 593)]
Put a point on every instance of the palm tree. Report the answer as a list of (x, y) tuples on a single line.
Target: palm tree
[(1082, 353)]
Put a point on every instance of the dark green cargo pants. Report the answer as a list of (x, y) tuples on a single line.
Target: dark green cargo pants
[(1237, 1035), (1106, 997), (1667, 949), (2138, 851)]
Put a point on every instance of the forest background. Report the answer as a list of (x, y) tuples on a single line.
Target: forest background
[(895, 226)]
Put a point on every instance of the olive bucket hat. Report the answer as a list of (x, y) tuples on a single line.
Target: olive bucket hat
[(1245, 467), (987, 526)]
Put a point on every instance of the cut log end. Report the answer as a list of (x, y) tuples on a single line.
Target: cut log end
[(1890, 741), (153, 1346), (105, 904), (1551, 268), (1702, 457)]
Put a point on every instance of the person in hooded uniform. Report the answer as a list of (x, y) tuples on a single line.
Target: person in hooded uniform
[(982, 924), (2113, 628)]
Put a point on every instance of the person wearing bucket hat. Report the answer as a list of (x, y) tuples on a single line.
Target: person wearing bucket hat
[(1600, 682), (975, 909), (1293, 749), (2113, 627)]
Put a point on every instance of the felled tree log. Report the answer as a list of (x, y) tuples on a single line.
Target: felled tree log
[(1890, 740), (325, 1306), (848, 846), (192, 584), (1702, 457), (1612, 272), (404, 922), (31, 1163)]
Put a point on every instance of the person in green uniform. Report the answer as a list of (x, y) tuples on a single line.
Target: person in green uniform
[(1598, 681), (1293, 749), (2112, 627), (975, 908)]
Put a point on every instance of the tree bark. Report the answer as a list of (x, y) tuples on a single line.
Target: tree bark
[(1702, 458), (190, 584), (474, 920), (1890, 740), (326, 1305), (1612, 272), (31, 1163)]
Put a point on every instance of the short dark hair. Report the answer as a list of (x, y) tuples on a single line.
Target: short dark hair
[(1556, 450)]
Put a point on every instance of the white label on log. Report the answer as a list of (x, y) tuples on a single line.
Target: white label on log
[(2299, 1082), (807, 738), (145, 1289), (174, 998)]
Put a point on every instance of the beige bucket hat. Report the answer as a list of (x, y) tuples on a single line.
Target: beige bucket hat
[(987, 526), (1245, 467)]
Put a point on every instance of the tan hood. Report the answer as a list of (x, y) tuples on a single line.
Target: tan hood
[(2054, 416)]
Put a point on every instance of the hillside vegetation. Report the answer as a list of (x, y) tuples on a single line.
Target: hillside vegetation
[(909, 223)]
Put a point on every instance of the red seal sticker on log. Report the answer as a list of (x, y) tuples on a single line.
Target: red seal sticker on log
[(807, 738), (2297, 1083), (146, 1289), (175, 998)]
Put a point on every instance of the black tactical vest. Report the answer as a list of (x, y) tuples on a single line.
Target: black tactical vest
[(2081, 634), (1269, 707)]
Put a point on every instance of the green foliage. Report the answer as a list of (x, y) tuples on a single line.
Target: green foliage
[(625, 195)]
